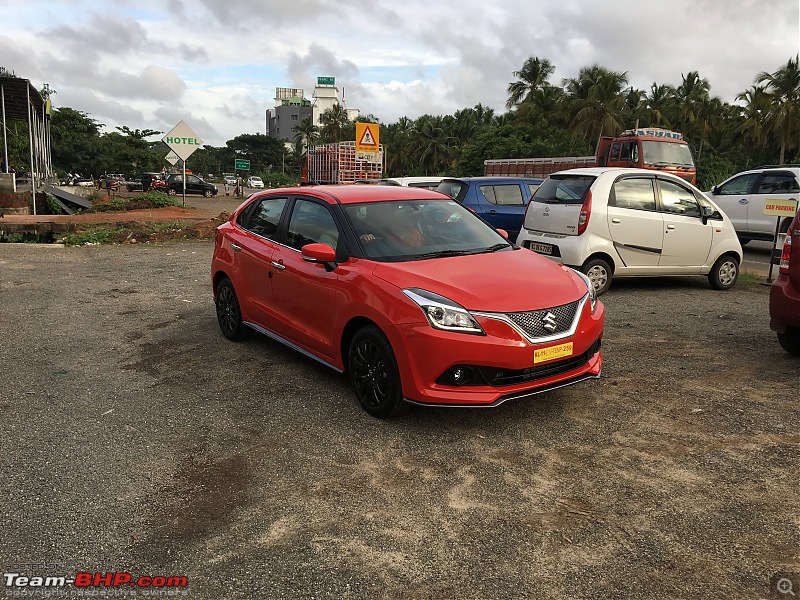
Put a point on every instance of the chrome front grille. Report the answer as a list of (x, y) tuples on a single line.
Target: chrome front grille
[(533, 322)]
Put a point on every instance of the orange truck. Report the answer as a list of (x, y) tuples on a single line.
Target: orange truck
[(645, 148)]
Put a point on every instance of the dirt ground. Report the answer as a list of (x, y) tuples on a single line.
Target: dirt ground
[(137, 439)]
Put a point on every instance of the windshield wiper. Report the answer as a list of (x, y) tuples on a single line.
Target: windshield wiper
[(444, 253), (494, 248)]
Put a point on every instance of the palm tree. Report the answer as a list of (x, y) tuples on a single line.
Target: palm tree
[(434, 145), (660, 102), (306, 132), (533, 75), (753, 127), (598, 102), (784, 116), (334, 123)]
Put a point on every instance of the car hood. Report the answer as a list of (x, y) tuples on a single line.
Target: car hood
[(508, 281)]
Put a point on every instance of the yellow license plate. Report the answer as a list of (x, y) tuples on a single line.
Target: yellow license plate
[(552, 352)]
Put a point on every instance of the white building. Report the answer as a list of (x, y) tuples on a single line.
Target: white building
[(326, 95)]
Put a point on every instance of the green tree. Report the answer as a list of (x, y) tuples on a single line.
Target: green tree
[(532, 76), (75, 141), (334, 124), (783, 117)]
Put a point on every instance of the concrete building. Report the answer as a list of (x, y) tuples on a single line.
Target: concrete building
[(291, 107)]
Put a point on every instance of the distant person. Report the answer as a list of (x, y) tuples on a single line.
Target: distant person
[(239, 186), (3, 166)]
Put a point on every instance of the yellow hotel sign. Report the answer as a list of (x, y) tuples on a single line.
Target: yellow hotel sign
[(780, 208)]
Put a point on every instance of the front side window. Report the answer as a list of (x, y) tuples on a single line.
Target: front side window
[(636, 194), (311, 223), (503, 195), (738, 185), (264, 218), (677, 200)]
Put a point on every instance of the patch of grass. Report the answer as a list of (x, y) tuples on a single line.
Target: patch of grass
[(151, 199), (98, 234)]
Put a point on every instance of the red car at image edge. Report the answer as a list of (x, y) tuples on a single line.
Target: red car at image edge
[(411, 294), (784, 295)]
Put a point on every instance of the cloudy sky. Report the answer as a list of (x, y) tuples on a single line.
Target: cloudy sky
[(215, 64)]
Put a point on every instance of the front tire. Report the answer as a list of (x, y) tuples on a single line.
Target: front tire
[(724, 273), (229, 314), (790, 341), (599, 273), (374, 374), (208, 193)]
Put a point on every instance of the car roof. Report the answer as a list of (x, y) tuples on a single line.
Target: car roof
[(490, 178), (356, 194)]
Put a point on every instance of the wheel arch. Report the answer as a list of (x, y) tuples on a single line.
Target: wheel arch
[(603, 256), (349, 331)]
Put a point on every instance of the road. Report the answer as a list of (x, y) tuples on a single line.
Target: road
[(756, 258)]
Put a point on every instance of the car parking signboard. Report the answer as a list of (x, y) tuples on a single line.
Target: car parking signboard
[(182, 140), (780, 208)]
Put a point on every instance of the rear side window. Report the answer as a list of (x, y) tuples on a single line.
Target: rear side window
[(637, 194), (777, 183), (503, 195), (564, 189)]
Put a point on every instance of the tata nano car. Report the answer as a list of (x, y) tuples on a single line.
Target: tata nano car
[(408, 292)]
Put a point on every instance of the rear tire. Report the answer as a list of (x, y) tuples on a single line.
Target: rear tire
[(724, 273), (790, 341), (229, 313), (599, 273), (172, 192), (374, 374)]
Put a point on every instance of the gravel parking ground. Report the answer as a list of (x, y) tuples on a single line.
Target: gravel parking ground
[(136, 439)]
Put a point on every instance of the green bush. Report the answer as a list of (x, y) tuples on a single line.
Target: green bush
[(712, 170), (158, 199), (53, 206), (95, 236)]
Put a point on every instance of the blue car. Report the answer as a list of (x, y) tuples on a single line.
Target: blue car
[(500, 201)]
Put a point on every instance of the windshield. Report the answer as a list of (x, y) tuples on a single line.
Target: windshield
[(421, 229), (566, 189), (667, 153)]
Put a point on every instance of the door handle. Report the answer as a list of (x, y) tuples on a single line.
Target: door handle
[(492, 212), (616, 220), (235, 247), (670, 226), (278, 265)]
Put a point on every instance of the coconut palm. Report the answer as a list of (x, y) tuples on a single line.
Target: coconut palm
[(783, 118), (660, 103), (597, 99), (533, 75), (334, 124), (306, 132)]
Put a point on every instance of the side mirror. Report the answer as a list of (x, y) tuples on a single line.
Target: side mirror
[(502, 232), (706, 212), (319, 253), (715, 190)]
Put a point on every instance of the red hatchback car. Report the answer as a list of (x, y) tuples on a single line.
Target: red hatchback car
[(407, 291), (784, 296)]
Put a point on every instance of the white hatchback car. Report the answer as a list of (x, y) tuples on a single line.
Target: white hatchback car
[(255, 182), (619, 222)]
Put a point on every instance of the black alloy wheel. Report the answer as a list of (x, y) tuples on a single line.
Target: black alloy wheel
[(229, 314), (375, 375)]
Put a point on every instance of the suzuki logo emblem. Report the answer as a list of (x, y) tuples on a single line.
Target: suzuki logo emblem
[(549, 322)]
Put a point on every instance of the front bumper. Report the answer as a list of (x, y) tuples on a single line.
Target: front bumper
[(503, 361)]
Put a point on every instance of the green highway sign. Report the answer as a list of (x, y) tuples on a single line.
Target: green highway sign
[(326, 80), (242, 165)]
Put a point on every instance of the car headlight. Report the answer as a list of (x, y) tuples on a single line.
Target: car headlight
[(590, 287), (443, 313)]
